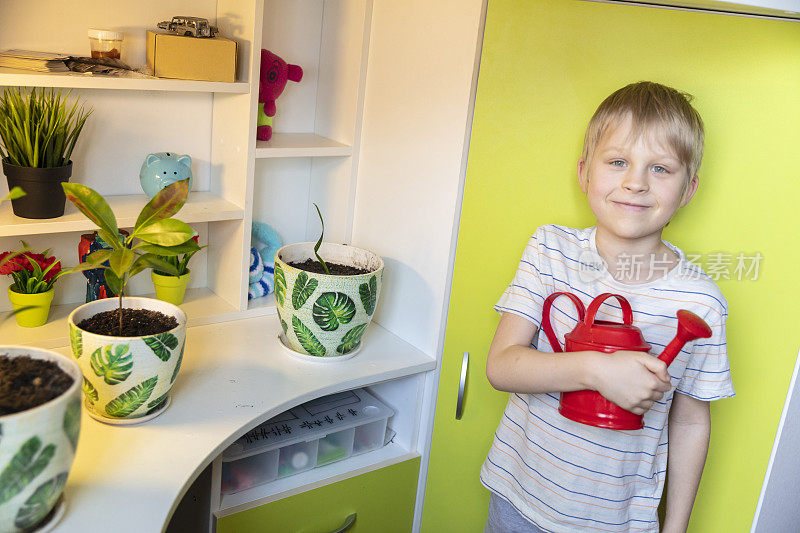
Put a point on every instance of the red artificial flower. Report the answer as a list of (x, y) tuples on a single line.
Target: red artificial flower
[(8, 266)]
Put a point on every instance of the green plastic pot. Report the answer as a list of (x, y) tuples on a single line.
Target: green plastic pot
[(170, 289), (38, 307)]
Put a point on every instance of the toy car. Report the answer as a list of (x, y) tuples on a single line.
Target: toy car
[(190, 26)]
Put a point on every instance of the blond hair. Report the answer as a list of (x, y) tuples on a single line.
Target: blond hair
[(654, 109)]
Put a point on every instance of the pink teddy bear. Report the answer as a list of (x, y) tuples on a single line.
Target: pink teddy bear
[(275, 72)]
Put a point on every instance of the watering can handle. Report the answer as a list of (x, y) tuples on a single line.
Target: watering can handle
[(548, 329), (627, 312)]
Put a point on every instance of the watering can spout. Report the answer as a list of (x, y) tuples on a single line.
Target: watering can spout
[(690, 327)]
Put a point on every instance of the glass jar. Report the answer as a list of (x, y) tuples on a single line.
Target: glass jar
[(105, 43)]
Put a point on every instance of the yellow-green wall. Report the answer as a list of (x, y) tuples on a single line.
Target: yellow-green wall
[(545, 66)]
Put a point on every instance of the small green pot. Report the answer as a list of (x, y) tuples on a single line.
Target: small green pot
[(127, 379), (325, 315), (170, 289), (39, 307), (37, 449)]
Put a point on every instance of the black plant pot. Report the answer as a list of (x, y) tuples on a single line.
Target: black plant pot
[(44, 197)]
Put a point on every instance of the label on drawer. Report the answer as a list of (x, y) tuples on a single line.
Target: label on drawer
[(311, 420)]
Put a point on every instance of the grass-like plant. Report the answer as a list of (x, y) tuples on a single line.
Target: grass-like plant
[(155, 234), (319, 242), (38, 128)]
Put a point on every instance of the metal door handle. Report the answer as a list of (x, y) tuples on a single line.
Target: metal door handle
[(348, 523), (461, 386)]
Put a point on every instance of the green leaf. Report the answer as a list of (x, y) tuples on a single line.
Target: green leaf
[(15, 193), (284, 326), (332, 309), (307, 339), (155, 262), (158, 401), (303, 289), (41, 502), (170, 251), (72, 422), (351, 339), (177, 366), (114, 283), (280, 284), (165, 203), (76, 340), (162, 344), (91, 204), (166, 232), (132, 399), (114, 240), (89, 392), (24, 467), (369, 294), (116, 366), (120, 261)]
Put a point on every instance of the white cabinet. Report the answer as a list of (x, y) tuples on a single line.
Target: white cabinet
[(375, 134)]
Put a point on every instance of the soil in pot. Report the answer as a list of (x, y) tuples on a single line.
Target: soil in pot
[(26, 383), (135, 323), (309, 265)]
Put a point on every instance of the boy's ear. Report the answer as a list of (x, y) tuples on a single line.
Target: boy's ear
[(583, 175), (691, 188)]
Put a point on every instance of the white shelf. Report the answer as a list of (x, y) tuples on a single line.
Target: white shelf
[(232, 379), (201, 306), (75, 80), (262, 306), (202, 206), (301, 145), (310, 479)]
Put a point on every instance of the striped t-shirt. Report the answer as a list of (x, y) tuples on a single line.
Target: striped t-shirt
[(565, 476)]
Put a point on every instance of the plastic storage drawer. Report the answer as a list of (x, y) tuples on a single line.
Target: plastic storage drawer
[(316, 433)]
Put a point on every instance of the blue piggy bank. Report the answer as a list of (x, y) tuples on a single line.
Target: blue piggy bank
[(162, 169)]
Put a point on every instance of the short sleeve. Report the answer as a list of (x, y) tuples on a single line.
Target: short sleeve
[(525, 295), (708, 374)]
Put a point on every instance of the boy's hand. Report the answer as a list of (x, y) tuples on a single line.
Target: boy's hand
[(632, 380)]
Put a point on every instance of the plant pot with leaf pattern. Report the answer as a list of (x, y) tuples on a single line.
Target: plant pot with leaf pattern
[(130, 349), (127, 379), (326, 315), (40, 416)]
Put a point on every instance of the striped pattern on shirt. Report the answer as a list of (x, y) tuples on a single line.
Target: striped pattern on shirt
[(564, 476)]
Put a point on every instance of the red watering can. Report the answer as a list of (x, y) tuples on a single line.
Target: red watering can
[(590, 407)]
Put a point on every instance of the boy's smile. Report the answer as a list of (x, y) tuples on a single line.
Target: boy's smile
[(634, 186)]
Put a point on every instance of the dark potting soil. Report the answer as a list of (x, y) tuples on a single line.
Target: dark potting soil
[(309, 265), (135, 323), (26, 383)]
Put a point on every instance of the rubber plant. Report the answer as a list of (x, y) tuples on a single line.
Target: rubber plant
[(155, 234)]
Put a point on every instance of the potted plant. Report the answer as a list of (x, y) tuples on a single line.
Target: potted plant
[(172, 288), (34, 276), (130, 349), (40, 416), (38, 130), (325, 306)]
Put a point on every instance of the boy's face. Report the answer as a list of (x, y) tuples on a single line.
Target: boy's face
[(634, 186)]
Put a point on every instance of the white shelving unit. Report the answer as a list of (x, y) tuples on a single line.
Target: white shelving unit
[(75, 80), (201, 206), (301, 145), (383, 164)]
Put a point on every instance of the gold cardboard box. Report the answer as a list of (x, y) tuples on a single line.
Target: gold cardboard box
[(191, 58)]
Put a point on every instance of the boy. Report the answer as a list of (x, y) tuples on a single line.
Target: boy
[(641, 155)]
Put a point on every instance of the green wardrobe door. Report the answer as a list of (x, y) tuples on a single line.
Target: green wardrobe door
[(382, 501), (545, 67)]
